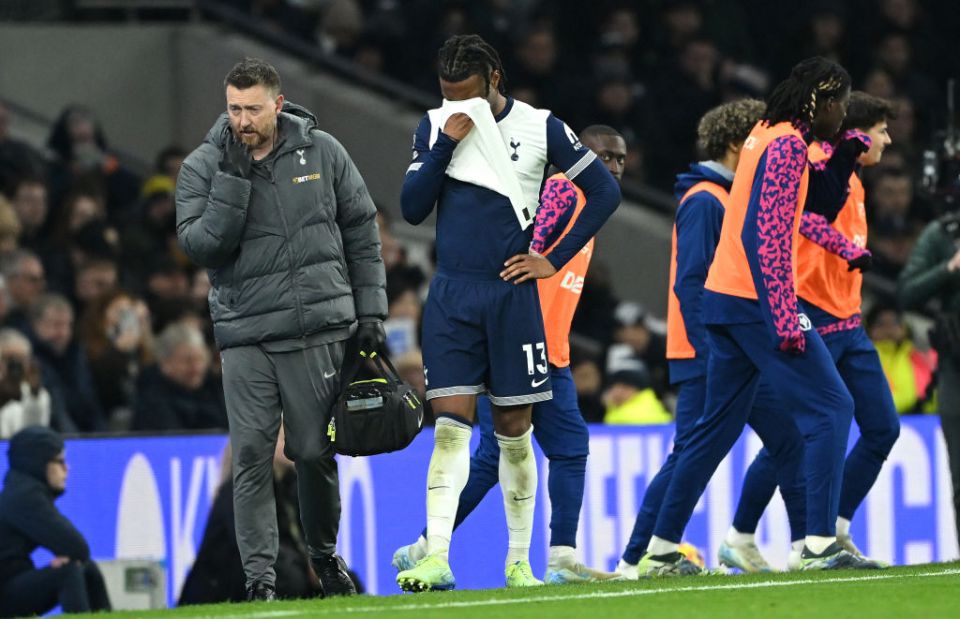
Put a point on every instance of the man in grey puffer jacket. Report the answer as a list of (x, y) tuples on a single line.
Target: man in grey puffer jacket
[(278, 213)]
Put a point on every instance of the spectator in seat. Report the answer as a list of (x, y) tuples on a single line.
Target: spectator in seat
[(30, 203), (893, 226), (80, 150), (93, 280), (10, 227), (909, 371), (115, 332), (629, 399), (24, 401), (180, 392), (25, 279), (635, 339), (29, 519), (167, 292), (67, 369)]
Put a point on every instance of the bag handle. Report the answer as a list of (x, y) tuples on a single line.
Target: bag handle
[(351, 363), (352, 360), (383, 364)]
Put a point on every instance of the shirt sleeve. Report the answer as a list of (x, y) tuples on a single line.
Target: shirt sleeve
[(564, 149), (816, 228), (830, 180), (558, 201), (426, 172), (39, 521)]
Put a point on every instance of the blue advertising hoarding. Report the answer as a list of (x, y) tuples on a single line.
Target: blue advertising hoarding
[(149, 497)]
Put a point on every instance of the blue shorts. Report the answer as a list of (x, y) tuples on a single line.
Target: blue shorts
[(485, 337)]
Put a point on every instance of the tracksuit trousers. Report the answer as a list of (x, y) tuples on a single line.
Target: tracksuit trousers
[(812, 392)]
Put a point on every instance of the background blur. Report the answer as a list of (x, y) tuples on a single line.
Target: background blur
[(100, 101)]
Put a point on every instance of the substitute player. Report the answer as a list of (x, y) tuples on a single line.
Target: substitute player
[(482, 334), (703, 197), (755, 326), (829, 286), (558, 424)]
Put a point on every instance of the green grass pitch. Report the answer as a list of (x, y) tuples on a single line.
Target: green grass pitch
[(924, 592)]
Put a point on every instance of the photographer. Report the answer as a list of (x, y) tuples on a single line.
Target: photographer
[(933, 272), (23, 400)]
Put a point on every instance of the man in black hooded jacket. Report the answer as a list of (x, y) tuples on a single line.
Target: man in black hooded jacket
[(28, 519)]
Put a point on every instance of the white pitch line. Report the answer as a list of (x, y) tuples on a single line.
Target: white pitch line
[(565, 598)]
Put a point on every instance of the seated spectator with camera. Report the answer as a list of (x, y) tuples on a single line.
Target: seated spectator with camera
[(23, 399), (180, 392)]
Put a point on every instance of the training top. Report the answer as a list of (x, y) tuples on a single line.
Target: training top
[(703, 194), (560, 206), (824, 280), (754, 270)]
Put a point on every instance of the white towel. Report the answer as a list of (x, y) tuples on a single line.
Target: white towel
[(481, 158)]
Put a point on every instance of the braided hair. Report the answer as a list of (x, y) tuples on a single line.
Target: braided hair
[(811, 82), (464, 55)]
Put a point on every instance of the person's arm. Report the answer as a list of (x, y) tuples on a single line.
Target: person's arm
[(815, 227), (584, 169), (558, 201), (768, 238), (36, 404), (37, 519), (211, 212), (927, 271), (699, 220), (357, 220), (425, 175), (829, 183)]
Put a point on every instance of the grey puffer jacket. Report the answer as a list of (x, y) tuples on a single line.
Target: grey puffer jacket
[(294, 250)]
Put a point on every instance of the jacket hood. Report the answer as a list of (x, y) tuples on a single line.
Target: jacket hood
[(31, 449), (294, 123), (702, 171)]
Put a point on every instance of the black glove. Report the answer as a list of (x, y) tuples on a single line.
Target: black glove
[(235, 159), (864, 262), (853, 143), (370, 338)]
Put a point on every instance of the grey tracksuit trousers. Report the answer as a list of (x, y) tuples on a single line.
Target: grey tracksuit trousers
[(302, 386)]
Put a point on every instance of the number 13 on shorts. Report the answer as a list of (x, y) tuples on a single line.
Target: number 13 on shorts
[(532, 366)]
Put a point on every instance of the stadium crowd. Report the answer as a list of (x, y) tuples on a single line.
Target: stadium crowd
[(106, 319)]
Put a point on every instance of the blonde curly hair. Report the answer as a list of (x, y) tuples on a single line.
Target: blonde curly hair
[(727, 124)]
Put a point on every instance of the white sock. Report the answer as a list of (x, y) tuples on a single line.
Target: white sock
[(818, 543), (659, 546), (418, 549), (796, 545), (518, 481), (843, 527), (446, 477), (561, 555), (736, 538)]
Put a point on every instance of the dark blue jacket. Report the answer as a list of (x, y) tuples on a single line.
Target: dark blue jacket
[(699, 220), (28, 516), (163, 405), (69, 380)]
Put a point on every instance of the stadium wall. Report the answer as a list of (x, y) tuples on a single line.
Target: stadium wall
[(149, 498)]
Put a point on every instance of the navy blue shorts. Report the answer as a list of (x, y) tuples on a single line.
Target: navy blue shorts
[(485, 337)]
